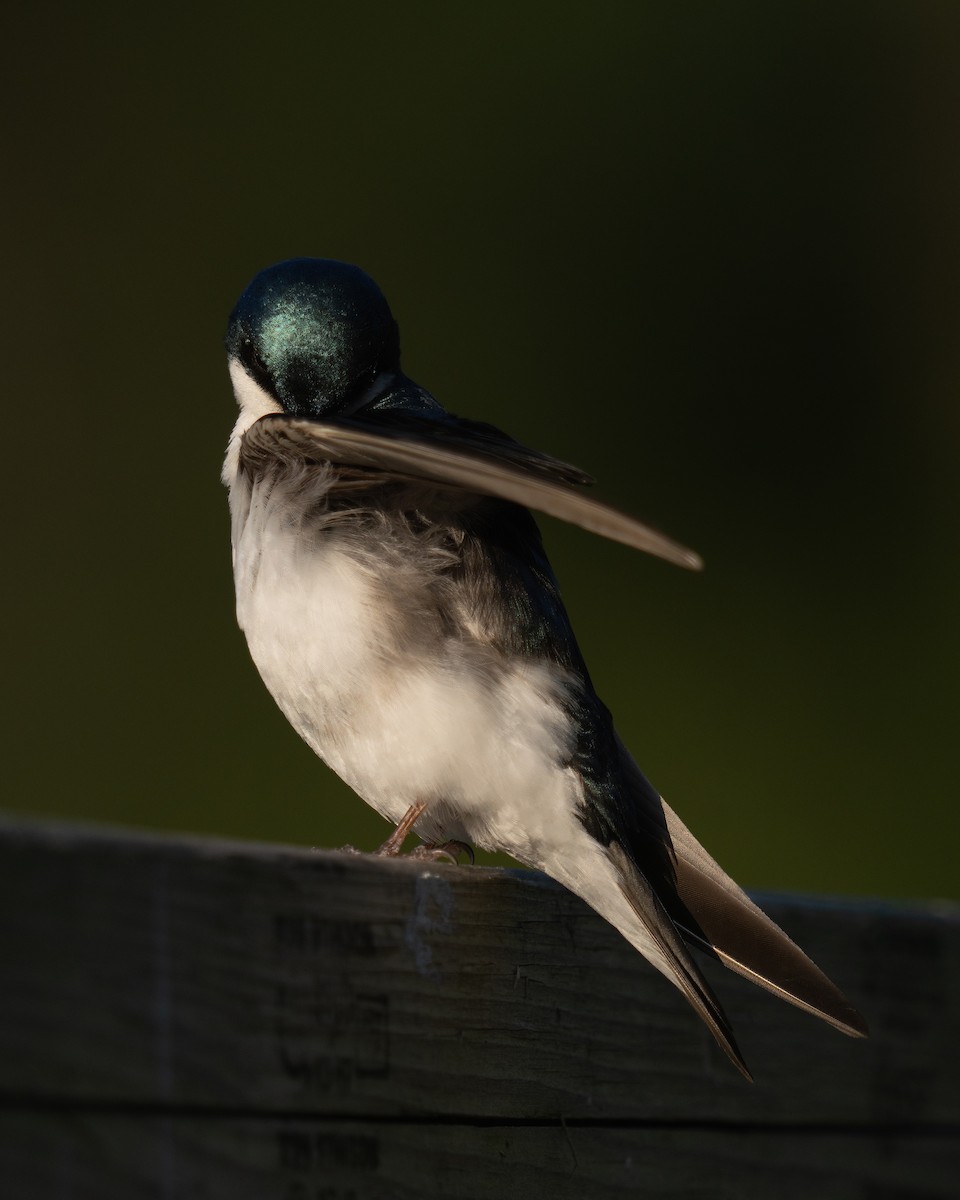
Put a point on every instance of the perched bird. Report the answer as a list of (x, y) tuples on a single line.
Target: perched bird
[(398, 603)]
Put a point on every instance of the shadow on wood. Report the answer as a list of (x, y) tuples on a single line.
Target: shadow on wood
[(189, 1018)]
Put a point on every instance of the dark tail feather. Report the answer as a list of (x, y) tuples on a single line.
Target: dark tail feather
[(686, 974), (715, 914)]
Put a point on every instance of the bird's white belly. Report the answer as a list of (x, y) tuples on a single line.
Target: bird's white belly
[(482, 739)]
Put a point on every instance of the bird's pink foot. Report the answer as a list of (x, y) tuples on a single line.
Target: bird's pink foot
[(432, 851), (394, 843)]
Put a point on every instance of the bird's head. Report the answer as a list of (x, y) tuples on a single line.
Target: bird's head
[(315, 334)]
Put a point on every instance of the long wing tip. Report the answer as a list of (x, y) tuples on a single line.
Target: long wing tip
[(854, 1024), (672, 552), (640, 536), (691, 560)]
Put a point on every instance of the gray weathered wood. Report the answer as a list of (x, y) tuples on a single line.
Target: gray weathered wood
[(96, 1158), (188, 1018)]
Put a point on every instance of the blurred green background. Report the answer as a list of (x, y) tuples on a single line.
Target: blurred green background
[(707, 251)]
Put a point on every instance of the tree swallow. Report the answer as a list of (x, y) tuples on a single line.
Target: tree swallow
[(397, 601)]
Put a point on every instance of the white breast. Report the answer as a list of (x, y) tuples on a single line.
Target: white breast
[(400, 710)]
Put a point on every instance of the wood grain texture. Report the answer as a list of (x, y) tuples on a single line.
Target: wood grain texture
[(101, 1158), (197, 1003)]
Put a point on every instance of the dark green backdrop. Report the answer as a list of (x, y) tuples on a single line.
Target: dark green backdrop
[(706, 250)]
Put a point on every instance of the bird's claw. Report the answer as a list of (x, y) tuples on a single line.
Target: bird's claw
[(444, 851), (431, 851)]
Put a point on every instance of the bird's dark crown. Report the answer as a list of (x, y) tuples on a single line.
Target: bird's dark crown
[(315, 333)]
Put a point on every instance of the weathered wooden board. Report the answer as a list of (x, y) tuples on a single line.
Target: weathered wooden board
[(163, 1158), (205, 1004)]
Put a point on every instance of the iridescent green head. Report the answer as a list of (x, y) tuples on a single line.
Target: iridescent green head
[(316, 334)]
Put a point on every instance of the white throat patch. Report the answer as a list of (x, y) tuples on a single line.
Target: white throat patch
[(254, 402)]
